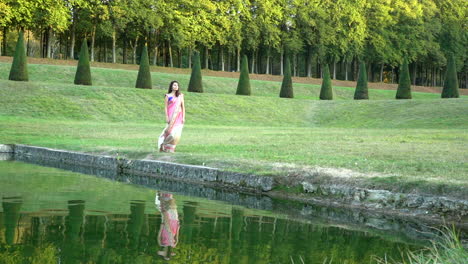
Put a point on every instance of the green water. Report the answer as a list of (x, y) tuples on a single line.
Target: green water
[(55, 216)]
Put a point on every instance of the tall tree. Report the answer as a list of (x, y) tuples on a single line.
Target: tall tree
[(326, 91), (361, 86), (50, 17), (243, 87), (19, 67), (286, 85), (450, 89), (5, 20), (83, 71), (196, 84), (144, 74), (404, 83)]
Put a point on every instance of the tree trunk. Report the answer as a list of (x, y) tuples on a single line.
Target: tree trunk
[(267, 71), (281, 62), (294, 64), (164, 54), (256, 61), (113, 47), (309, 61), (1, 46), (43, 46), (228, 63), (134, 48), (5, 48), (206, 58), (4, 41), (169, 46), (334, 69), (222, 59), (238, 59), (393, 75), (179, 52), (190, 58), (155, 58), (369, 72), (466, 79), (381, 72), (346, 69), (72, 42), (49, 50), (28, 46), (105, 51), (252, 65), (415, 70), (93, 37), (124, 49)]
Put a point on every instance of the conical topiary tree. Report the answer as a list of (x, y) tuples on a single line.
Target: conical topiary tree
[(361, 87), (144, 74), (450, 89), (286, 86), (83, 71), (243, 87), (404, 82), (195, 84), (19, 67), (326, 91)]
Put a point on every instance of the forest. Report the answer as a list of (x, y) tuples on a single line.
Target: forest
[(312, 33)]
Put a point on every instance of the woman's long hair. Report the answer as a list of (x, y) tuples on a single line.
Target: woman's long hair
[(170, 88)]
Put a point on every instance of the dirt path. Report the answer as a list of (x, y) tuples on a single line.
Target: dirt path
[(263, 77)]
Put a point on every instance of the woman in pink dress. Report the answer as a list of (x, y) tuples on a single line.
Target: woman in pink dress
[(175, 118), (168, 236)]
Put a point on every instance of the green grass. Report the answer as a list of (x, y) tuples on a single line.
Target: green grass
[(446, 249), (418, 144), (219, 85)]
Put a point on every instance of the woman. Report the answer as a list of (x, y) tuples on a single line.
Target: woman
[(168, 236), (175, 118)]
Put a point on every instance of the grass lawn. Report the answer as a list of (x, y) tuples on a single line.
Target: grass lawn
[(419, 144)]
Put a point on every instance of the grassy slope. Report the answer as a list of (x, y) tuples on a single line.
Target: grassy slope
[(218, 85), (422, 141)]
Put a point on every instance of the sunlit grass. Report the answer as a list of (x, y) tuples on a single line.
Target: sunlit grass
[(447, 249)]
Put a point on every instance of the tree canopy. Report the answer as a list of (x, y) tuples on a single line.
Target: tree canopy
[(315, 32)]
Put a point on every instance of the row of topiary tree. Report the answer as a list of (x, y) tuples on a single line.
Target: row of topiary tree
[(19, 72), (19, 69), (450, 89)]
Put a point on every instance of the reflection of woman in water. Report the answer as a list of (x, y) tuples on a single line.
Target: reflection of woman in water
[(168, 236)]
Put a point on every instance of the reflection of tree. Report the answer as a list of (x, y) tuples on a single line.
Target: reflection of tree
[(205, 237), (94, 235), (186, 233), (237, 222), (134, 227), (11, 214), (135, 223), (73, 248)]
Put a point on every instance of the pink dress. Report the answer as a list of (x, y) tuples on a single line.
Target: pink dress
[(170, 225), (171, 134)]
